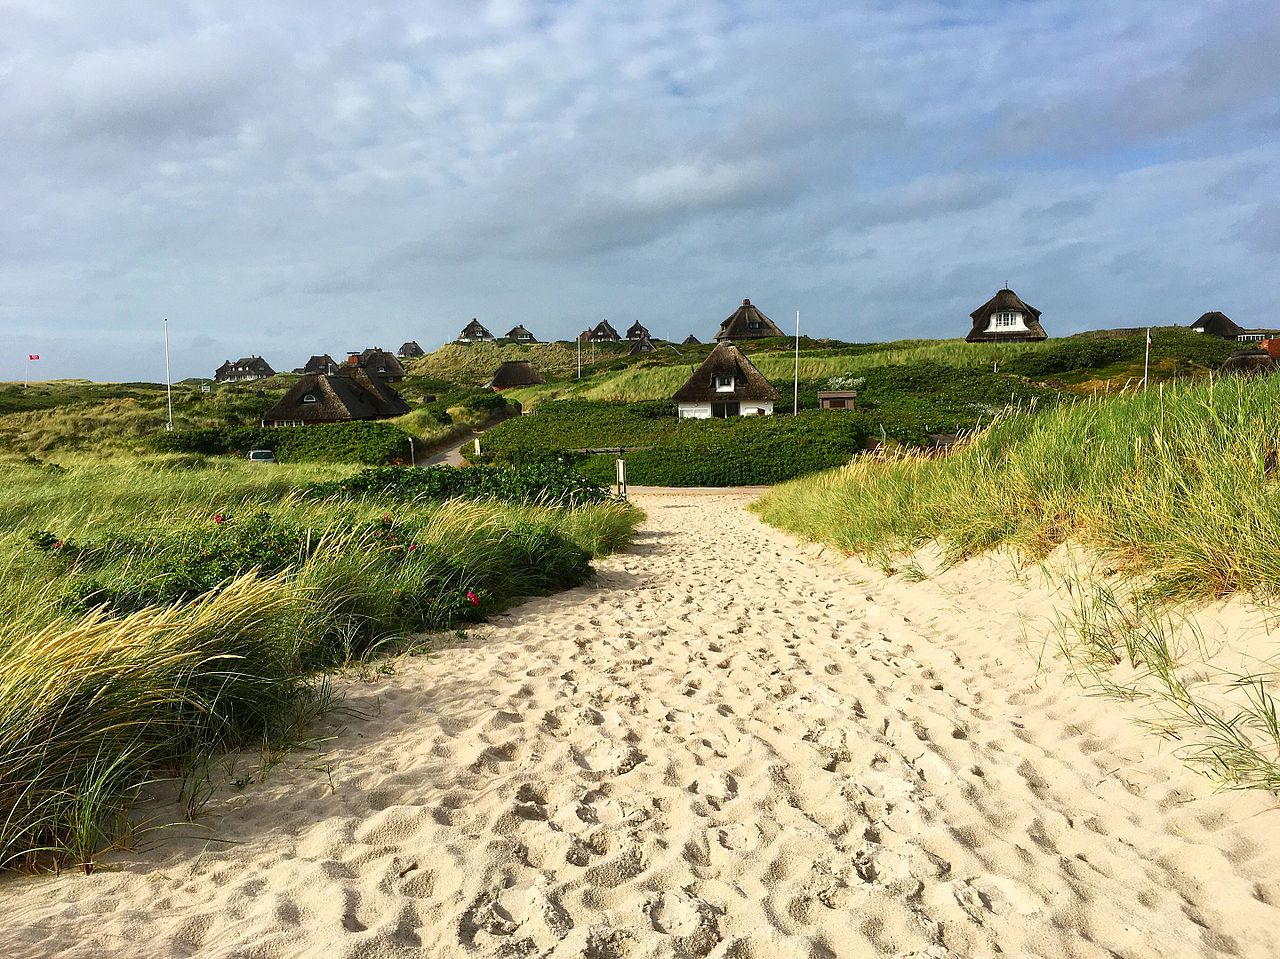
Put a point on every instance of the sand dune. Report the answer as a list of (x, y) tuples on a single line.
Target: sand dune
[(725, 746)]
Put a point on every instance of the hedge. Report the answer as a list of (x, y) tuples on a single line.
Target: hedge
[(363, 442)]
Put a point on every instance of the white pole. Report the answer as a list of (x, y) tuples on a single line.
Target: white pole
[(168, 381), (413, 457), (26, 372), (579, 356), (1146, 360), (795, 401)]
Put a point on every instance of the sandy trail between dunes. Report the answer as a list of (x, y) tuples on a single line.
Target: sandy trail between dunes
[(723, 746)]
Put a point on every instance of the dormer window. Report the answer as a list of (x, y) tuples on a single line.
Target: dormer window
[(724, 383), (310, 398), (1008, 320)]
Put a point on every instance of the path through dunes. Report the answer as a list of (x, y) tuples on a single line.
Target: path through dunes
[(724, 746)]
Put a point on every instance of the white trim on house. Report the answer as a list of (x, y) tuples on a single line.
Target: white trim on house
[(1008, 321), (703, 411)]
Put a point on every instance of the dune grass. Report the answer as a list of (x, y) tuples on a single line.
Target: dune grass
[(1179, 482), (155, 614)]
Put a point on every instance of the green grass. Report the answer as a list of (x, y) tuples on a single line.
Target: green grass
[(155, 614)]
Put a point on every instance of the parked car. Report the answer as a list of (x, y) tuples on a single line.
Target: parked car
[(262, 456)]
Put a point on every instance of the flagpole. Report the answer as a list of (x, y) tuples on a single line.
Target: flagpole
[(795, 400), (26, 372), (1146, 360), (168, 380)]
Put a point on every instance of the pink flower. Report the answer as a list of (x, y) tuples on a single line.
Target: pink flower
[(57, 544), (412, 547), (217, 519), (475, 600)]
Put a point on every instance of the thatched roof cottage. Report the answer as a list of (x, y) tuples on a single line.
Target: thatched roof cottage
[(691, 340), (747, 323), (518, 334), (726, 384), (602, 332), (474, 332), (637, 332), (348, 394), (515, 373), (324, 363), (1222, 326), (1250, 362), (378, 363), (641, 346), (1006, 318), (410, 350), (244, 369)]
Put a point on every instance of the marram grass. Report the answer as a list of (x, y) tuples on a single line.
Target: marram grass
[(1180, 483)]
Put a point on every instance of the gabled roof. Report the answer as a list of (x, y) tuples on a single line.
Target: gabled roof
[(637, 332), (601, 332), (254, 365), (378, 362), (410, 349), (1005, 301), (475, 331), (1218, 324), (747, 323), (520, 333), (515, 373), (726, 360), (349, 394), (642, 345), (691, 340), (321, 364)]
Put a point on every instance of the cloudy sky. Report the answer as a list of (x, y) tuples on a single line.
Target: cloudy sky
[(294, 178)]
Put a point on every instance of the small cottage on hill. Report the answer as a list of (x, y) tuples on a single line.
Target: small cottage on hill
[(378, 363), (747, 323), (691, 340), (324, 363), (1006, 318), (348, 394), (518, 334), (726, 384), (474, 332), (515, 373), (243, 370), (410, 350), (1222, 326), (602, 332), (637, 332), (641, 346)]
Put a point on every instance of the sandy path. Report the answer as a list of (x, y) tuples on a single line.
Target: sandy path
[(724, 747)]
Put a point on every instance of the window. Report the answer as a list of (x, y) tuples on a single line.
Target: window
[(1008, 320), (724, 383), (835, 404), (310, 398), (723, 411), (754, 324)]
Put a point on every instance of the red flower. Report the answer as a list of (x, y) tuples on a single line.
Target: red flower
[(217, 519), (475, 600), (412, 547), (57, 544)]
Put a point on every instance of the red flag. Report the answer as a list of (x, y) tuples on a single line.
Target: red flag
[(1148, 339), (33, 356)]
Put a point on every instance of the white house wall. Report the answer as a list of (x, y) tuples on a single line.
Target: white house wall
[(1019, 327), (702, 411)]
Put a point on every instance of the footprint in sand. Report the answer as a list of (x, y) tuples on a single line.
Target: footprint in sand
[(607, 758), (686, 918)]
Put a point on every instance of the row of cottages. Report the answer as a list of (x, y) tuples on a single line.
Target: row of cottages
[(374, 361), (243, 370), (726, 384), (475, 332)]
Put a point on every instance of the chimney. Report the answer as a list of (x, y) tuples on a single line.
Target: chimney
[(746, 302)]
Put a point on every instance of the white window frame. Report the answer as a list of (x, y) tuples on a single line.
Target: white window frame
[(1007, 320), (725, 383)]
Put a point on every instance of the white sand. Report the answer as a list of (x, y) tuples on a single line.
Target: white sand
[(724, 746)]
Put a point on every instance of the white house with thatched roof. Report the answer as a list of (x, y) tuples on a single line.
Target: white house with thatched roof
[(475, 332), (747, 323), (1005, 318), (726, 384)]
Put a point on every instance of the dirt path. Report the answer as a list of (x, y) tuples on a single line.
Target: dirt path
[(725, 747)]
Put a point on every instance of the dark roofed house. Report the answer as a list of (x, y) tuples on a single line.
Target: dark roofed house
[(319, 364), (642, 345), (637, 332), (244, 369), (602, 332), (410, 350), (515, 373), (348, 394), (747, 323), (377, 362), (518, 334), (1220, 325), (691, 340), (1006, 318), (726, 384), (474, 332)]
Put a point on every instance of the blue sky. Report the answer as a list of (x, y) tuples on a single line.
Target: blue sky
[(297, 178)]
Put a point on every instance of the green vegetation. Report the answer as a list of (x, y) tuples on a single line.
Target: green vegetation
[(1179, 481), (364, 442), (156, 614), (548, 484)]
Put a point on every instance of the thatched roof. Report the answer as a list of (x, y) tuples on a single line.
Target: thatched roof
[(602, 332), (1249, 363), (515, 373), (520, 334), (691, 340), (637, 332), (474, 331), (726, 360), (642, 345), (378, 362), (1005, 301), (247, 367), (348, 394), (747, 323), (410, 349), (323, 363), (1217, 324)]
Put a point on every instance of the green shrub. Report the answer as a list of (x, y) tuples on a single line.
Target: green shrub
[(360, 442), (552, 483)]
